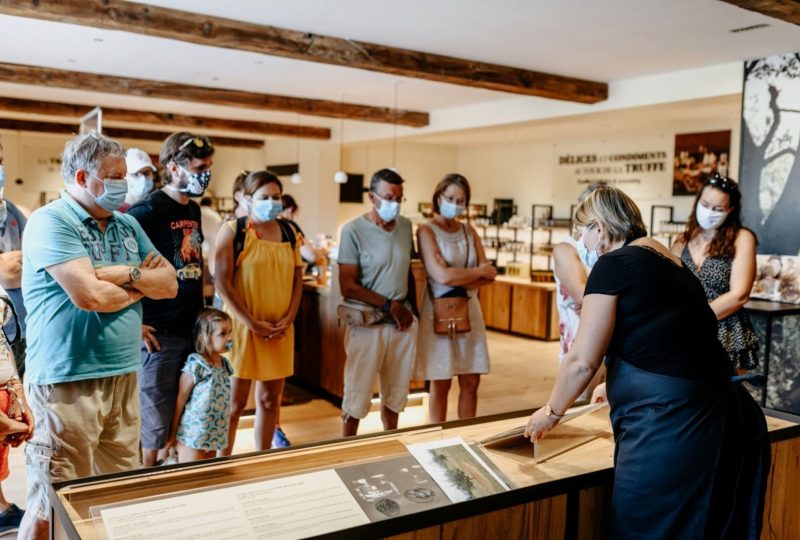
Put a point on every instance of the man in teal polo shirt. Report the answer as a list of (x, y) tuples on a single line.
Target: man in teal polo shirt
[(85, 268)]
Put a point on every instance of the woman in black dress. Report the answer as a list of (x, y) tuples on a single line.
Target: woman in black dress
[(692, 451), (722, 254)]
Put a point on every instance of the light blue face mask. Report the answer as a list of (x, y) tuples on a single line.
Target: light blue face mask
[(114, 194), (588, 256), (450, 210), (139, 185), (229, 345), (266, 209), (388, 210), (2, 180)]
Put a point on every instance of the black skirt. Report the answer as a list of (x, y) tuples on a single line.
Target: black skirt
[(691, 459)]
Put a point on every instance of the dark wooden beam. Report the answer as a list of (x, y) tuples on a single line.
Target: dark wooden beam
[(116, 133), (239, 35), (111, 114), (785, 10), (22, 74)]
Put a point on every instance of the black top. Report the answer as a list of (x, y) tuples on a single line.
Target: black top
[(663, 324), (174, 229)]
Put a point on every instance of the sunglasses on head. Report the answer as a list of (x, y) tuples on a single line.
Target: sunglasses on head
[(722, 182), (196, 141)]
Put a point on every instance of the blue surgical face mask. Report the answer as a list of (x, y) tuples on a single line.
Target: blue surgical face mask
[(388, 210), (114, 194), (450, 210), (198, 182), (139, 185), (229, 345), (266, 209), (2, 179), (588, 256)]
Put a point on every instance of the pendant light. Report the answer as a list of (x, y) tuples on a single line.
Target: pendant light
[(341, 177), (296, 178)]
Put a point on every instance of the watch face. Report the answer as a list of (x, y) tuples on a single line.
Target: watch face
[(135, 274)]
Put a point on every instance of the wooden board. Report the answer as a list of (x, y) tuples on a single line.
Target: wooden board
[(530, 311), (495, 300)]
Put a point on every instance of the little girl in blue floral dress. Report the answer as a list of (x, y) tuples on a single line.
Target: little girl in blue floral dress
[(202, 412)]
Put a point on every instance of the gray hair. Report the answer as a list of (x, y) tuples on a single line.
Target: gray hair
[(591, 187), (87, 152)]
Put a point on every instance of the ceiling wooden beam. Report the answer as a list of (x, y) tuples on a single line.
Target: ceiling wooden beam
[(40, 76), (116, 133), (785, 10), (112, 114), (239, 35)]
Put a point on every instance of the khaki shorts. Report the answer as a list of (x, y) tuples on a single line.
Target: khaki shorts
[(82, 428), (377, 350)]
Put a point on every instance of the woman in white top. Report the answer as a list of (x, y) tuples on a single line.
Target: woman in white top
[(456, 265)]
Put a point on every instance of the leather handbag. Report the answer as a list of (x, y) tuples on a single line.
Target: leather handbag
[(451, 313)]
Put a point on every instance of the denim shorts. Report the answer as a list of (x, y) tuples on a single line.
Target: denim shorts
[(158, 386)]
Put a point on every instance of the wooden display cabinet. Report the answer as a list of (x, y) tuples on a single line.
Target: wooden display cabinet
[(565, 497)]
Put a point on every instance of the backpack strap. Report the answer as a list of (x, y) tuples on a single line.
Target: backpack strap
[(288, 234), (238, 238)]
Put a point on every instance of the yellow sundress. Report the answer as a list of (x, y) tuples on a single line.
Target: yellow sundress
[(263, 277)]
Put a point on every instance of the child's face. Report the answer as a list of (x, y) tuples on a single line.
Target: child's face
[(220, 337)]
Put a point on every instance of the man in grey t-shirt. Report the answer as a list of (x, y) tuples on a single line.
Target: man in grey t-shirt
[(375, 270)]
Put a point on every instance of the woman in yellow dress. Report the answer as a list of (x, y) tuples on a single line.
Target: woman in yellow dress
[(259, 276)]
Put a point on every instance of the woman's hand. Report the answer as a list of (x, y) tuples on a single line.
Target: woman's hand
[(539, 424), (599, 394), (12, 432)]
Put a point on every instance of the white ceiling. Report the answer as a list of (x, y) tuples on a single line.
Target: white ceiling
[(604, 40)]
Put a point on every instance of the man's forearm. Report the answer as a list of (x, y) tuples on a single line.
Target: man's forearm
[(111, 298), (158, 283)]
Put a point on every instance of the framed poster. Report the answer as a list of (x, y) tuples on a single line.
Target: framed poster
[(696, 156)]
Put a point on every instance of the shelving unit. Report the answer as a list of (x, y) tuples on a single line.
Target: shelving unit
[(545, 225), (668, 229)]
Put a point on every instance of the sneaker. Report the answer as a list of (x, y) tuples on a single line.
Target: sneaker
[(9, 520), (279, 439)]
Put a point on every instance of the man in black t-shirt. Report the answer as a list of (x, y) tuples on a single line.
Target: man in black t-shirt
[(173, 223)]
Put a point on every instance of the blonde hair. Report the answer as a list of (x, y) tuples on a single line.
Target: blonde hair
[(204, 328), (615, 210)]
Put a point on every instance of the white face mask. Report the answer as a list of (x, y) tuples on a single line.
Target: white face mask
[(450, 210), (139, 185), (709, 219), (588, 256)]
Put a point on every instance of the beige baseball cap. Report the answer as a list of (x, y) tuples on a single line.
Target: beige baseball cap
[(137, 159)]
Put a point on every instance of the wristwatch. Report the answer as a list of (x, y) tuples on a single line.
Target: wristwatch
[(548, 411), (387, 306), (135, 275)]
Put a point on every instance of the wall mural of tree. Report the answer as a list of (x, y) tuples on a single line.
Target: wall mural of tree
[(770, 157)]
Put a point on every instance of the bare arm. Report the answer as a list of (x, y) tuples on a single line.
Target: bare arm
[(570, 270), (743, 272), (580, 363), (294, 304), (11, 269), (185, 387), (77, 278), (677, 246), (158, 279), (225, 268), (439, 271)]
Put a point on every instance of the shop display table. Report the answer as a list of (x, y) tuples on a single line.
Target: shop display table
[(566, 496)]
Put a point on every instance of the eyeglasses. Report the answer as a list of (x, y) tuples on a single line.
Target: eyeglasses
[(389, 198), (724, 183)]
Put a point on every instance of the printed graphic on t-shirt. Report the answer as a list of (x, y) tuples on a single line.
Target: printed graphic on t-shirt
[(117, 246), (188, 248)]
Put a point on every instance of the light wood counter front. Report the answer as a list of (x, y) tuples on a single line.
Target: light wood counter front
[(520, 306)]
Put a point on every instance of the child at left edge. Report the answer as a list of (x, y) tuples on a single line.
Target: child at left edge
[(202, 412)]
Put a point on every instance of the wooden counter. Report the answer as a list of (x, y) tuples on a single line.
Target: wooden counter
[(521, 306), (565, 497)]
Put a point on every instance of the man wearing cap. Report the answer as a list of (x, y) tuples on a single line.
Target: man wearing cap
[(172, 221), (140, 177)]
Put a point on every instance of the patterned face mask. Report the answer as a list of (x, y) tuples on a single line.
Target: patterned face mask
[(197, 184)]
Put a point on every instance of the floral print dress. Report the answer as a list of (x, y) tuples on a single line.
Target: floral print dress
[(205, 419)]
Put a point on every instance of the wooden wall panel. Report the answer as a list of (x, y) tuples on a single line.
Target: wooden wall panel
[(594, 507), (530, 311), (431, 533)]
